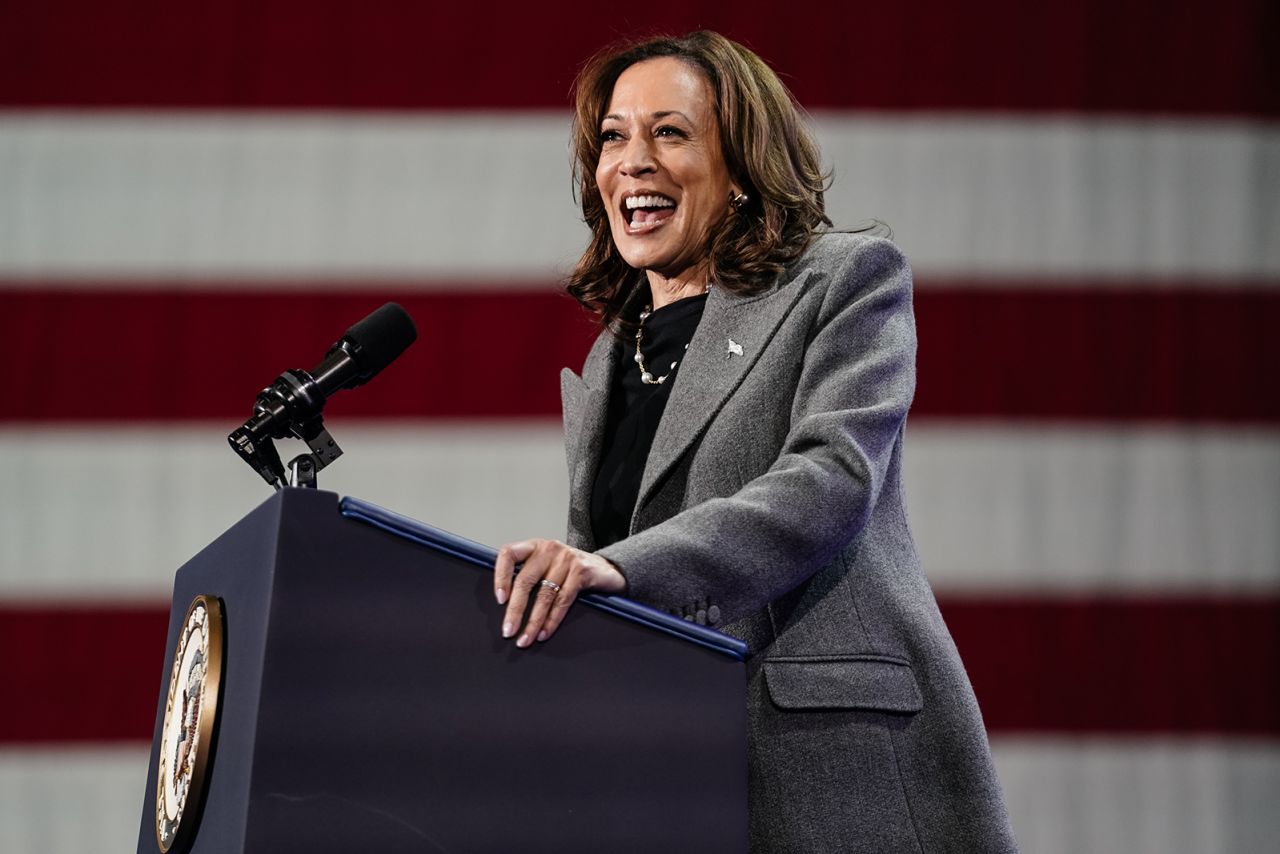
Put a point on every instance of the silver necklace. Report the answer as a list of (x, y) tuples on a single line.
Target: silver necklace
[(645, 376)]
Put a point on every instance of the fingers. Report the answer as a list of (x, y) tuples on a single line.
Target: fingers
[(560, 607), (545, 595), (585, 571), (534, 570), (505, 567), (555, 592)]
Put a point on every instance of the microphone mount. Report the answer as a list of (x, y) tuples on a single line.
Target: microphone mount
[(290, 406)]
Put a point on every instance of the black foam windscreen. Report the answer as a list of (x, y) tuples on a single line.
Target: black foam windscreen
[(381, 337)]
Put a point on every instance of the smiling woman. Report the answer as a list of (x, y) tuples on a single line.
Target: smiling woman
[(708, 126), (662, 176), (735, 448)]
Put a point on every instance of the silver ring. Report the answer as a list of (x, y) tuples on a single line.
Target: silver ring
[(548, 583)]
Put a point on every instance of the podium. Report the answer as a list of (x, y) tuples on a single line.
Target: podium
[(367, 702)]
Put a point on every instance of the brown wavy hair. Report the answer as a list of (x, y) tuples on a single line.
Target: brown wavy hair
[(769, 150)]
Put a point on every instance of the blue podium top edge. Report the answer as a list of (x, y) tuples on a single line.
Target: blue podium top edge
[(483, 556)]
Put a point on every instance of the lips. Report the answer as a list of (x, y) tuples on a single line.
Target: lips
[(646, 211)]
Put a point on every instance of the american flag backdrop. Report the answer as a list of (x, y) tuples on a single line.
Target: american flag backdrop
[(195, 196)]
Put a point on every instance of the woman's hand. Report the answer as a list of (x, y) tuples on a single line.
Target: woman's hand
[(552, 577)]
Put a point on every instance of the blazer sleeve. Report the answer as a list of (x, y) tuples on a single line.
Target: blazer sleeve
[(855, 387)]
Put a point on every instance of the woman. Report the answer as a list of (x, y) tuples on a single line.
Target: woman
[(734, 451)]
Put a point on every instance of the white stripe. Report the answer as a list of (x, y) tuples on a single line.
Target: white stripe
[(1141, 796), (320, 196), (1103, 508), (113, 511), (60, 800), (1065, 796), (1070, 197), (324, 197)]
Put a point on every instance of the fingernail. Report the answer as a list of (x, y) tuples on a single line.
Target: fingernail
[(524, 641), (502, 596), (542, 635), (507, 630)]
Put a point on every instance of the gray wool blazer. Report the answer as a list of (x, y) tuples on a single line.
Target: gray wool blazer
[(771, 508)]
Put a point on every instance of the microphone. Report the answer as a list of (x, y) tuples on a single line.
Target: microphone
[(293, 404), (366, 348)]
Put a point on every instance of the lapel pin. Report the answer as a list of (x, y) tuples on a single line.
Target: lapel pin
[(735, 349)]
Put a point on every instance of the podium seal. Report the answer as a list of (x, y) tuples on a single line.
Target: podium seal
[(189, 715)]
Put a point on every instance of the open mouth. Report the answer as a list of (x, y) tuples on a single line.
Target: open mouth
[(646, 212)]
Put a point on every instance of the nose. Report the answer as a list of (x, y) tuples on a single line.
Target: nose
[(637, 158)]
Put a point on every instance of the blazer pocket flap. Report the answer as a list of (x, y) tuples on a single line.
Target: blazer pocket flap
[(842, 683)]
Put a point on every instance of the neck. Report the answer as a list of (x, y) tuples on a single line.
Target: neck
[(665, 290)]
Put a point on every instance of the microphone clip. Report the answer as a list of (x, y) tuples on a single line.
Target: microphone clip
[(292, 406)]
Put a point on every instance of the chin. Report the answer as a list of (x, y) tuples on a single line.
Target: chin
[(647, 253), (640, 257)]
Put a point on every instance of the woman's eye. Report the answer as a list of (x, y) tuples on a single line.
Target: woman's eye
[(668, 130), (609, 135)]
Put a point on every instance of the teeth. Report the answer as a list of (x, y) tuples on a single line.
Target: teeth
[(633, 202)]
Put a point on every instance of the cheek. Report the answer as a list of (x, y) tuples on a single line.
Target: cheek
[(711, 199), (703, 216), (605, 174), (605, 192)]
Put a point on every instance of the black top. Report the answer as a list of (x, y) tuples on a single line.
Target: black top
[(635, 409)]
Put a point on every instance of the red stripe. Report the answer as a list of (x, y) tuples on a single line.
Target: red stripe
[(1157, 354), (1146, 56), (1192, 666), (184, 355), (1122, 665), (1102, 353), (77, 674)]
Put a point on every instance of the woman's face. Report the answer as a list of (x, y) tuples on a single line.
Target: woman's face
[(661, 175)]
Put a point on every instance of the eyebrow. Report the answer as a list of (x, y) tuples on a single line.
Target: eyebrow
[(661, 114)]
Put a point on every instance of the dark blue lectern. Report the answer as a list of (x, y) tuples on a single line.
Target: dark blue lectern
[(368, 703)]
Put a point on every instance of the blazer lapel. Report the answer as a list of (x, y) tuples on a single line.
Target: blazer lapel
[(731, 336), (585, 403)]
